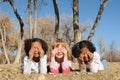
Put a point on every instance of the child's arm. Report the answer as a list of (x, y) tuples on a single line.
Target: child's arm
[(43, 64), (27, 65), (54, 66), (28, 62), (96, 64), (66, 66)]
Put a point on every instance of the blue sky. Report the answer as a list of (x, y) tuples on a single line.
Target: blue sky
[(108, 27)]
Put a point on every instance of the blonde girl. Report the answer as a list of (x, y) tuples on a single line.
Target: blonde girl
[(59, 57)]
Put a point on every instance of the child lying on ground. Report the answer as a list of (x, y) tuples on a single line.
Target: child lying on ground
[(88, 59), (36, 58), (60, 57)]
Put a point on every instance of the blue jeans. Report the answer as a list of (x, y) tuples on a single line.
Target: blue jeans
[(105, 63)]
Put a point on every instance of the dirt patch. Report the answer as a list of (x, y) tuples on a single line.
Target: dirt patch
[(13, 72)]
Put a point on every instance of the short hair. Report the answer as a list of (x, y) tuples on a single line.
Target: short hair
[(78, 46), (28, 43)]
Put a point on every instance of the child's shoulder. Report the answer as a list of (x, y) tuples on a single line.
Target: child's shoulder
[(96, 55), (25, 57)]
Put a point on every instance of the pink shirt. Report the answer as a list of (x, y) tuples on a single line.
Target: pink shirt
[(65, 67)]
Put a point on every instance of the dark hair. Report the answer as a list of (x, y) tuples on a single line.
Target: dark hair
[(78, 46), (28, 43)]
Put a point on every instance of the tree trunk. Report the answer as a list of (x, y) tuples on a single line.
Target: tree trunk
[(111, 57), (77, 31), (35, 19), (102, 6), (18, 17), (18, 57), (56, 19), (30, 19), (4, 48)]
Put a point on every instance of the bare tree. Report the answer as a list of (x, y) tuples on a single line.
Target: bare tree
[(56, 18), (33, 29), (43, 25), (30, 19), (101, 46), (102, 6), (66, 28), (18, 17), (11, 2), (18, 56), (4, 47), (35, 19), (77, 31), (112, 49), (6, 25)]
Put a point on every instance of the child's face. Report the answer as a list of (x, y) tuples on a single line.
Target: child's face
[(59, 52), (86, 54), (36, 47)]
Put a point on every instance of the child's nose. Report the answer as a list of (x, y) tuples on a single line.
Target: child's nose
[(86, 57), (59, 49), (36, 49)]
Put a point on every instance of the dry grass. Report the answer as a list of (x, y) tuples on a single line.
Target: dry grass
[(13, 72)]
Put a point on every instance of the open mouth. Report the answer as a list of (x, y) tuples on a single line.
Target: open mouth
[(36, 54), (59, 55)]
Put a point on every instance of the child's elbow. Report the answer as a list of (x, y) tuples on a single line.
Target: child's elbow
[(94, 70)]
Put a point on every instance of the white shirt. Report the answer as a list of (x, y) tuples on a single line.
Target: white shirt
[(37, 67), (96, 64)]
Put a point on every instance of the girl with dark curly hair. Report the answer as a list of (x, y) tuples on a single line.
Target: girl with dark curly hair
[(88, 59), (36, 58)]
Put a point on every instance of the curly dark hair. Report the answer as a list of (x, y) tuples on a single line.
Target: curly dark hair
[(28, 43), (78, 46)]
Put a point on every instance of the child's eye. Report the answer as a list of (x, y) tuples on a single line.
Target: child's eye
[(35, 48)]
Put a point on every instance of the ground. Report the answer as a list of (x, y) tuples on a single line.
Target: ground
[(13, 72)]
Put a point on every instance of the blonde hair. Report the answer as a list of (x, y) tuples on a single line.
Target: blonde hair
[(58, 42)]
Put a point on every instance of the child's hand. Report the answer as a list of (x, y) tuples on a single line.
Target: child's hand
[(81, 59), (31, 52), (64, 51), (53, 53), (90, 57), (41, 52)]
